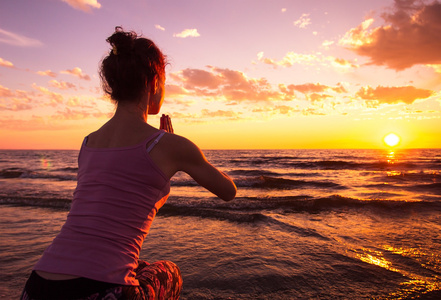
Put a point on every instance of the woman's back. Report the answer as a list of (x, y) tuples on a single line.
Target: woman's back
[(119, 191)]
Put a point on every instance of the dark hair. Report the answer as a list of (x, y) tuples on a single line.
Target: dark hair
[(132, 61)]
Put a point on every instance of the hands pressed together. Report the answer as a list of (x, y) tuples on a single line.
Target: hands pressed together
[(166, 123)]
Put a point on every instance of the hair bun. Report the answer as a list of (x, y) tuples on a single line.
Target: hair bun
[(122, 42)]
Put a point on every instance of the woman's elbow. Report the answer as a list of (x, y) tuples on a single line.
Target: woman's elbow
[(229, 193)]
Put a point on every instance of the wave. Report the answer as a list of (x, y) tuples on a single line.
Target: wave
[(346, 165), (413, 177), (57, 203), (317, 164), (252, 172), (251, 209), (11, 173), (268, 182), (68, 169)]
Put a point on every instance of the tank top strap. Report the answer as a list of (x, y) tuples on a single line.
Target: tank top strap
[(159, 135)]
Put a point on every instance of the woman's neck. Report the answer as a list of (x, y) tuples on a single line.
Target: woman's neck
[(131, 112)]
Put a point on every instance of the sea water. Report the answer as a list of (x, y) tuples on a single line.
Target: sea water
[(306, 224)]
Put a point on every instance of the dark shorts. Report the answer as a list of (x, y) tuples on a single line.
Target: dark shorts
[(160, 280)]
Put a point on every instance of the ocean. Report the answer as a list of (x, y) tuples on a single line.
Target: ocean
[(306, 224)]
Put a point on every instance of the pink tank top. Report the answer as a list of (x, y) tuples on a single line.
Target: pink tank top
[(118, 194)]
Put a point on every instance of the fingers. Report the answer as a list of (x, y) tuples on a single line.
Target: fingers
[(166, 124), (170, 126), (162, 122)]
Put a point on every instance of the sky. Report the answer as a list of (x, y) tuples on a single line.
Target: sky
[(242, 74)]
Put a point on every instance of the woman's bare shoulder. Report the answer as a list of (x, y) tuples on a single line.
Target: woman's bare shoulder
[(179, 145)]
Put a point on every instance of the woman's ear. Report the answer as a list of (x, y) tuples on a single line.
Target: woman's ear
[(154, 84)]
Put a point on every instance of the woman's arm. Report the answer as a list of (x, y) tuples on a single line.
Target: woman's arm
[(190, 159), (187, 157)]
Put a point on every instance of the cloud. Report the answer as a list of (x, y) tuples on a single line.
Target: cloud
[(235, 87), (83, 5), (31, 124), (436, 68), (312, 112), (77, 72), (230, 85), (327, 43), (187, 33), (74, 101), (47, 73), (343, 63), (410, 36), (308, 88), (79, 114), (62, 85), (200, 78), (289, 59), (292, 58), (275, 110), (391, 95), (54, 98), (5, 92), (15, 104), (205, 113), (284, 109), (173, 90), (303, 21), (159, 27), (314, 97), (15, 39), (5, 63), (14, 100)]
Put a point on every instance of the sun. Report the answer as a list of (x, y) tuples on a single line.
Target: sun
[(391, 139)]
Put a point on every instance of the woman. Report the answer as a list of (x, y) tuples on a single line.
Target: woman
[(123, 179)]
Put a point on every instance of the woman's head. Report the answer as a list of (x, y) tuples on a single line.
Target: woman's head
[(132, 64)]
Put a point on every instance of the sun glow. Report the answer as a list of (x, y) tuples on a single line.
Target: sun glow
[(391, 139)]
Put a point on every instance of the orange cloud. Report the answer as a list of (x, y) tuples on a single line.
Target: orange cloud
[(77, 72), (220, 113), (54, 98), (62, 85), (229, 84), (275, 110), (284, 109), (5, 63), (406, 94), (292, 58), (411, 36), (5, 92), (16, 104), (47, 73), (340, 62), (318, 97), (84, 5), (34, 123), (77, 114), (308, 88), (14, 100), (201, 78), (173, 90), (74, 101)]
